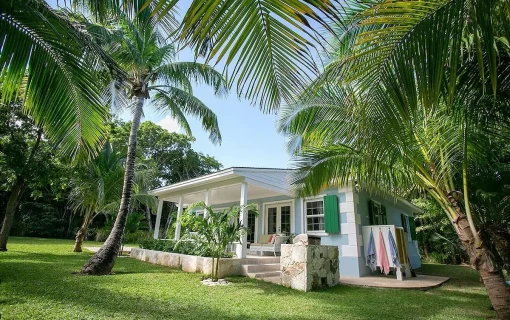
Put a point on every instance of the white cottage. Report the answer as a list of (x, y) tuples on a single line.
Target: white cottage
[(337, 216)]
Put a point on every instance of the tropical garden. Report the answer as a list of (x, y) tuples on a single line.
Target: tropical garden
[(405, 96)]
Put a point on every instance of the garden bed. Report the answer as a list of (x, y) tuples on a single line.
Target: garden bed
[(189, 263)]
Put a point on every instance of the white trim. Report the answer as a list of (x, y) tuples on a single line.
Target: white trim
[(278, 204), (314, 199)]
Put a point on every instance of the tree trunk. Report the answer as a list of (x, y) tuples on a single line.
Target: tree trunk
[(80, 235), (480, 258), (16, 193), (102, 262), (12, 204)]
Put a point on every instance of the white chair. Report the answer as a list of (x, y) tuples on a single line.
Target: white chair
[(277, 244)]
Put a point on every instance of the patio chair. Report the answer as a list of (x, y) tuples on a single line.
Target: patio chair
[(277, 245)]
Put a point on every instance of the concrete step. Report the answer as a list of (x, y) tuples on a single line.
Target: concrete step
[(264, 260), (262, 275), (257, 268)]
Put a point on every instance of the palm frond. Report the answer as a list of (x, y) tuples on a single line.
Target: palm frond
[(180, 102), (55, 67)]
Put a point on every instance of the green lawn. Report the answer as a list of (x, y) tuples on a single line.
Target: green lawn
[(37, 283)]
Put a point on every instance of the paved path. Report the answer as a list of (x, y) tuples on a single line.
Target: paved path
[(422, 282)]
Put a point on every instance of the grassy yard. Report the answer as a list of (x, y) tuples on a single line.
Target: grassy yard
[(37, 283)]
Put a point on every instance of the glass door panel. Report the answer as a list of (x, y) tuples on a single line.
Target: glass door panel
[(284, 219), (272, 220)]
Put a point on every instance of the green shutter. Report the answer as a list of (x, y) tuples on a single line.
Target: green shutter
[(403, 218), (383, 212), (331, 223), (412, 226), (371, 212)]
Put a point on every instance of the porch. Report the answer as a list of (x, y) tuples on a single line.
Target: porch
[(231, 187)]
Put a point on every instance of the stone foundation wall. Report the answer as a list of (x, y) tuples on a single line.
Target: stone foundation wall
[(187, 263), (308, 267)]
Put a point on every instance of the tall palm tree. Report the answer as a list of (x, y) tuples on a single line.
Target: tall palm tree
[(96, 188), (145, 54), (413, 94)]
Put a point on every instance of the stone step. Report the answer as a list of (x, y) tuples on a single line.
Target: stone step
[(268, 260), (255, 268), (262, 275)]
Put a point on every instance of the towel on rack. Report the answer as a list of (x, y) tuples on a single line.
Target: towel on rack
[(393, 249), (371, 257), (383, 255)]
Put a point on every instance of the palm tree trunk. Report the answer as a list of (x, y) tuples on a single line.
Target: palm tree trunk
[(102, 262), (10, 210), (80, 235), (480, 258), (16, 193)]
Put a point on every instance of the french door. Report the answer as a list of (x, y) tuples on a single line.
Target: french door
[(278, 218)]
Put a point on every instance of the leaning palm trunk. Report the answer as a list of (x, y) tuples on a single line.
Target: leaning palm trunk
[(12, 204), (102, 262), (82, 232), (481, 259)]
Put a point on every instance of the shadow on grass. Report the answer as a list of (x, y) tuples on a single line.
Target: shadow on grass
[(141, 290)]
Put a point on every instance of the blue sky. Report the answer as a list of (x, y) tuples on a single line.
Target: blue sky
[(250, 137)]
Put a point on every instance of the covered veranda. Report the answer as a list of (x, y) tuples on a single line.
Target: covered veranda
[(232, 186)]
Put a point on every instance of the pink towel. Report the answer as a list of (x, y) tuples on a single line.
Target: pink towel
[(383, 255)]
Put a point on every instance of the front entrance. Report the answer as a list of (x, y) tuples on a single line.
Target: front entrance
[(278, 218)]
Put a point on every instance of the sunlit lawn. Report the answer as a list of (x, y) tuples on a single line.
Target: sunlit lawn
[(37, 283)]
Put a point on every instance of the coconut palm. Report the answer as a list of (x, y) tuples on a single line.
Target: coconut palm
[(266, 46), (145, 54), (403, 105), (96, 188)]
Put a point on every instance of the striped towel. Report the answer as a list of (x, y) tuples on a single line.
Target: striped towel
[(383, 255), (371, 256), (393, 249)]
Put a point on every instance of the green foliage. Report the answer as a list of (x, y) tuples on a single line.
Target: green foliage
[(169, 152), (214, 231), (58, 71), (266, 47), (437, 240), (194, 247), (41, 220), (48, 290)]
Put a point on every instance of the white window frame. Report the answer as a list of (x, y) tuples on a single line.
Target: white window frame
[(305, 215), (279, 203)]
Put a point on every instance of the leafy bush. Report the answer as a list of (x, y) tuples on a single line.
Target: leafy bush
[(137, 236), (191, 247)]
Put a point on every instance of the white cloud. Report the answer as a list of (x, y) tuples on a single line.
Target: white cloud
[(169, 124)]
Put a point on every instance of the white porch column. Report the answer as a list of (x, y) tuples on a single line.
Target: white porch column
[(178, 223), (241, 248), (206, 213), (158, 219)]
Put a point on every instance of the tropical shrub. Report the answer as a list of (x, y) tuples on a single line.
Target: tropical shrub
[(194, 248)]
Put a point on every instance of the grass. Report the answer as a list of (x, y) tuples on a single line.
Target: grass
[(37, 283)]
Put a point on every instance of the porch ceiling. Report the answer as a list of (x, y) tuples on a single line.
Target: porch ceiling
[(224, 195), (225, 186)]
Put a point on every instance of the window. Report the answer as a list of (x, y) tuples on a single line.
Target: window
[(314, 215), (406, 225), (377, 213)]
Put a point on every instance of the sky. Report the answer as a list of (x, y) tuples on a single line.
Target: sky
[(250, 138)]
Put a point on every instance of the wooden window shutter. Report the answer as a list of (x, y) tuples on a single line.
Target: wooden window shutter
[(331, 223), (412, 227), (371, 212)]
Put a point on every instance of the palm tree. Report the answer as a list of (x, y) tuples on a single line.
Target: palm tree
[(142, 50), (97, 185), (55, 71), (267, 46), (403, 104), (214, 233)]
